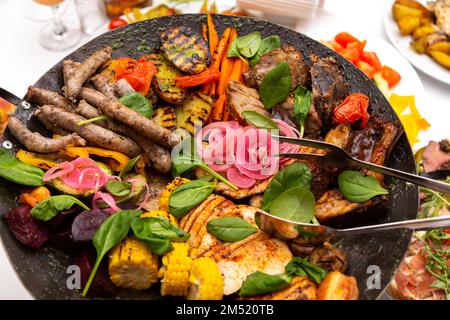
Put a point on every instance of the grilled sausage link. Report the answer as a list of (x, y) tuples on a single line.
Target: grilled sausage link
[(42, 97)]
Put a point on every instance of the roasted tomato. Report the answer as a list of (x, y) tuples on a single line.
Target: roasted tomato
[(337, 286), (116, 23), (138, 73), (352, 109)]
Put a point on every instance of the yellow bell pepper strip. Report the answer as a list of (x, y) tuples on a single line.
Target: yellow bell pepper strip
[(35, 159), (34, 196), (413, 122), (75, 152), (120, 160)]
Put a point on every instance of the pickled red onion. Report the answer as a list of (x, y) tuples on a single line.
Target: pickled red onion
[(239, 179), (106, 198), (288, 131), (57, 171)]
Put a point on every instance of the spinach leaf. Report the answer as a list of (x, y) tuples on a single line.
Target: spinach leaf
[(50, 207), (302, 104), (188, 196), (129, 166), (16, 171), (295, 204), (248, 45), (230, 229), (112, 231), (357, 188), (118, 188), (260, 283), (233, 51), (138, 103), (302, 267), (276, 85), (294, 175), (267, 44), (259, 120)]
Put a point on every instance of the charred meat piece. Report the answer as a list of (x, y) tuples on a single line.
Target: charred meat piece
[(339, 136), (86, 69), (42, 97), (329, 258), (91, 132), (164, 81), (241, 98), (301, 288), (299, 68), (186, 49), (102, 84), (329, 87), (436, 156), (33, 141), (131, 118)]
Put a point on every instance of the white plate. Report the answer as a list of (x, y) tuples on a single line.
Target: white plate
[(421, 61)]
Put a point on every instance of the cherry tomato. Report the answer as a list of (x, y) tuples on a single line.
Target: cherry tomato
[(116, 23), (352, 109)]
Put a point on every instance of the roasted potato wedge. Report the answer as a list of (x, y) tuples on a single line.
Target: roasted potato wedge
[(420, 45), (408, 25), (440, 57), (442, 46), (426, 13), (337, 286), (423, 31), (164, 81), (400, 11), (165, 117), (195, 109)]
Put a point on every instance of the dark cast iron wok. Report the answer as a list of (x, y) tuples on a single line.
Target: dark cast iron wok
[(43, 272)]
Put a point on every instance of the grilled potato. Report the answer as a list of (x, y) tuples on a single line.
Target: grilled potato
[(441, 46), (195, 109), (440, 57), (408, 25), (164, 81), (165, 117), (188, 51), (301, 288)]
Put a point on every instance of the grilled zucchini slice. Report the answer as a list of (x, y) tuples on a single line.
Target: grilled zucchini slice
[(165, 117), (195, 109), (187, 49), (164, 81)]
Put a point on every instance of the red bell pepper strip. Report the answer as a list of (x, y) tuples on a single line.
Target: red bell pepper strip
[(353, 108), (197, 79), (372, 58)]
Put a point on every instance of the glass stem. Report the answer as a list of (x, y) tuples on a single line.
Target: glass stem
[(58, 28)]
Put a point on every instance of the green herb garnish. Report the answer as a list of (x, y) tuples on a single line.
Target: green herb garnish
[(276, 85), (230, 229), (356, 187)]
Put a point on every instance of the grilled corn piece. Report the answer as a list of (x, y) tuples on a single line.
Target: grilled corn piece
[(187, 50), (161, 214), (195, 110), (165, 117), (132, 265), (175, 271), (165, 194), (206, 280)]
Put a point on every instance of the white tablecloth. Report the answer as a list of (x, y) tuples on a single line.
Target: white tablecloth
[(23, 61)]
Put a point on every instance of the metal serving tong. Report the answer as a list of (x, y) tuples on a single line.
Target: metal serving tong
[(338, 157), (287, 229)]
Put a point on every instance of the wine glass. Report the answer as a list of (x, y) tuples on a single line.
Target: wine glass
[(56, 36), (36, 12)]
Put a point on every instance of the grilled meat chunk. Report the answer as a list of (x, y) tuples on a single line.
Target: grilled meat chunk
[(241, 98), (301, 288), (164, 81), (42, 97), (299, 68), (329, 87), (436, 156), (33, 141), (186, 49), (85, 70), (91, 132), (329, 258), (258, 188)]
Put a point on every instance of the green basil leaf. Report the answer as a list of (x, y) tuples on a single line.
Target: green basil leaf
[(230, 229), (188, 196), (296, 204), (138, 103), (356, 187), (233, 52), (259, 283), (118, 188), (129, 166), (112, 231), (50, 207), (302, 104), (153, 227), (267, 44), (248, 45), (294, 175), (18, 172), (259, 120), (276, 85), (158, 246), (302, 267)]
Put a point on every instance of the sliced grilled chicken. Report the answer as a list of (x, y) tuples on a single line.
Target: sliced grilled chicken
[(186, 48), (332, 204), (244, 192), (301, 288)]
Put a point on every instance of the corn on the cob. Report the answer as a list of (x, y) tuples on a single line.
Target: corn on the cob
[(161, 214), (206, 280), (132, 265), (165, 194), (175, 271)]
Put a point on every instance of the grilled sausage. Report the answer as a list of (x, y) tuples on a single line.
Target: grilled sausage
[(187, 49), (131, 118), (85, 70), (122, 87), (91, 132), (101, 83), (33, 141), (43, 96), (69, 66)]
